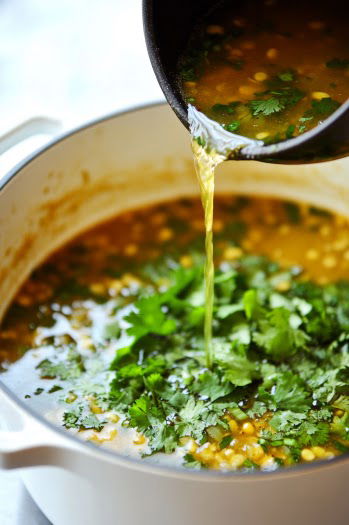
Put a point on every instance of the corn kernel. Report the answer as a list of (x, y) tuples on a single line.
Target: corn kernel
[(319, 452), (246, 91), (328, 455), (325, 230), (319, 95), (312, 255), (329, 261), (307, 455), (237, 460), (248, 428), (140, 440), (267, 463), (165, 234), (340, 245), (131, 249), (86, 342), (113, 418), (283, 286), (130, 280), (272, 53), (115, 286), (234, 427), (206, 452), (232, 252), (260, 76), (284, 229), (95, 408), (255, 452), (97, 288), (186, 261), (100, 440), (262, 135)]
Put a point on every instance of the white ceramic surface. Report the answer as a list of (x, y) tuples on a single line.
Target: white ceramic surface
[(125, 161)]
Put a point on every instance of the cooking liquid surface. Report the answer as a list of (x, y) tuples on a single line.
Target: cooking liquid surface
[(269, 72), (67, 321)]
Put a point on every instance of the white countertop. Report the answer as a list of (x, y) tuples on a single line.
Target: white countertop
[(73, 61)]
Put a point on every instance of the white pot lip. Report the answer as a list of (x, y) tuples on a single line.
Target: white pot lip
[(112, 456)]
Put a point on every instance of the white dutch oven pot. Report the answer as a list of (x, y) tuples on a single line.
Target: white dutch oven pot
[(87, 176)]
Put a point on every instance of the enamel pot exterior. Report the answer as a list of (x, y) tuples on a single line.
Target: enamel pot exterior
[(126, 160)]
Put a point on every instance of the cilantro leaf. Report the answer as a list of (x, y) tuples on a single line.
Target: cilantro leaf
[(286, 76), (149, 318), (325, 106), (191, 462), (210, 385), (266, 107), (67, 369), (277, 337), (77, 418), (287, 393)]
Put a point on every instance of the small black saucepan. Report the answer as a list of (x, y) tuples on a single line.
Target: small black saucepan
[(168, 26)]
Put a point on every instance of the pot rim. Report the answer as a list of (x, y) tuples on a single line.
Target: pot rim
[(113, 456)]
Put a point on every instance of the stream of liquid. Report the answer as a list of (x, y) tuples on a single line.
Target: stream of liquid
[(205, 164), (217, 146)]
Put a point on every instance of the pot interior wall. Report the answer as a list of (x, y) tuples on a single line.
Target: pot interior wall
[(128, 160)]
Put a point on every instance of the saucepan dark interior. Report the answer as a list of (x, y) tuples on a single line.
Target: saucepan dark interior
[(168, 26)]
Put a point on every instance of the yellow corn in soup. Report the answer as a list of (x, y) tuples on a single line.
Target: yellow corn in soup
[(106, 337), (268, 70)]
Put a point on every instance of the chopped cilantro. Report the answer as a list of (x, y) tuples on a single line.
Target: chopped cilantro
[(225, 442), (77, 418), (282, 356), (248, 463), (286, 76), (55, 388), (282, 98), (225, 109), (266, 107), (38, 391), (191, 462), (69, 368), (232, 126), (325, 106), (293, 212)]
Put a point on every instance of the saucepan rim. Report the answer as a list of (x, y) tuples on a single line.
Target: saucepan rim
[(113, 456)]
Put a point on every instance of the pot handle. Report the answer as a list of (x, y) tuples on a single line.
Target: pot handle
[(29, 128), (25, 442)]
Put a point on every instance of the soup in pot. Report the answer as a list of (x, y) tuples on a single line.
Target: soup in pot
[(106, 337), (268, 70)]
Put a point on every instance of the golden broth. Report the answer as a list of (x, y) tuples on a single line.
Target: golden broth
[(111, 262), (268, 71)]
